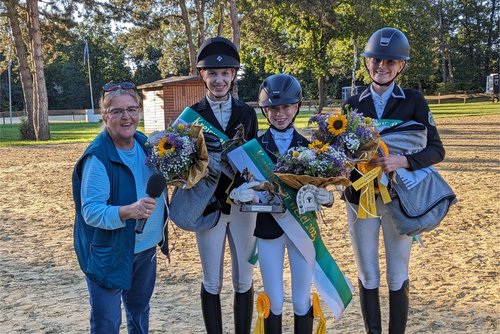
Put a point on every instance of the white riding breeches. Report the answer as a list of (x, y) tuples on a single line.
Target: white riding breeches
[(271, 262), (365, 241), (238, 227)]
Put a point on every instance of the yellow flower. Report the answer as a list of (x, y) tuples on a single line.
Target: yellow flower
[(315, 144), (164, 147), (318, 146), (295, 154), (337, 124), (368, 120), (180, 126)]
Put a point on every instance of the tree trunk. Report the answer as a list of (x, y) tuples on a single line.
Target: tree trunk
[(491, 37), (235, 25), (354, 63), (24, 71), (442, 44), (187, 27), (450, 69), (200, 17), (220, 26), (40, 103), (322, 90)]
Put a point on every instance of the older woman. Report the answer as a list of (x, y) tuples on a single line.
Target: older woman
[(109, 190)]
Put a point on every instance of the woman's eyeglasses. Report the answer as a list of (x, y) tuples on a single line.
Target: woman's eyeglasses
[(119, 113), (112, 86)]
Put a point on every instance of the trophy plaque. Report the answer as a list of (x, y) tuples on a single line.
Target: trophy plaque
[(269, 193), (261, 207)]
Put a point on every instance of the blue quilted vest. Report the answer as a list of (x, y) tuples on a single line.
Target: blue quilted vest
[(105, 256)]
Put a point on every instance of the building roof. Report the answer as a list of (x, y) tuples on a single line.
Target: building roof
[(168, 81)]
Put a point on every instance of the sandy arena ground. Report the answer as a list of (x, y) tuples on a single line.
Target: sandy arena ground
[(454, 279)]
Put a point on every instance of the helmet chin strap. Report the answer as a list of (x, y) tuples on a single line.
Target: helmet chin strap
[(288, 126), (280, 130)]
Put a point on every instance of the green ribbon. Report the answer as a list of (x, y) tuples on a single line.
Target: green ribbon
[(190, 116), (307, 221)]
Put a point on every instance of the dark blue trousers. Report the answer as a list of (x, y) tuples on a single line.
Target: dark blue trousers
[(105, 304)]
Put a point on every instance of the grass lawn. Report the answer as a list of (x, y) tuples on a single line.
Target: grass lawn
[(72, 132), (438, 110)]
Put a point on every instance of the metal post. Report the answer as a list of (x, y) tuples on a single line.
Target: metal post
[(86, 56), (10, 92)]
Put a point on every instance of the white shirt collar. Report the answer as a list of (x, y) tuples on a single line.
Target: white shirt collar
[(220, 104)]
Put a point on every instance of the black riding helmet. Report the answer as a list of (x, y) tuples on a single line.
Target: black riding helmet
[(218, 52), (390, 44), (280, 89)]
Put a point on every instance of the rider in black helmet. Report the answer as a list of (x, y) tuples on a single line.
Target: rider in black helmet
[(218, 61), (218, 56), (386, 54)]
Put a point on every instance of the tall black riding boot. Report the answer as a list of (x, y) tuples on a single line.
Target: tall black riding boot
[(370, 308), (243, 310), (212, 315), (399, 302), (272, 324), (303, 324)]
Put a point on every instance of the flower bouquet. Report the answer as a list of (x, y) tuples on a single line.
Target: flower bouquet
[(318, 164), (179, 153), (352, 133)]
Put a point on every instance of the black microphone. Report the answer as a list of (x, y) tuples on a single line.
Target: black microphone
[(156, 184)]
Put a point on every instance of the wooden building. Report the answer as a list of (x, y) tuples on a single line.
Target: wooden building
[(165, 99)]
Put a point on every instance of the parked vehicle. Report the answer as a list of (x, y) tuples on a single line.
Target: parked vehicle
[(492, 87)]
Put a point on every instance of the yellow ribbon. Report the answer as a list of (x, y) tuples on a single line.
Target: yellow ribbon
[(263, 309), (367, 206), (384, 192), (318, 313)]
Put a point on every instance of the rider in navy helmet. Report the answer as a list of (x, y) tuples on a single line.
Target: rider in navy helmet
[(387, 44), (279, 90), (389, 105), (218, 53), (280, 96)]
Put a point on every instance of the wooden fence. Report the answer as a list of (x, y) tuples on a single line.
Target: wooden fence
[(332, 106)]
